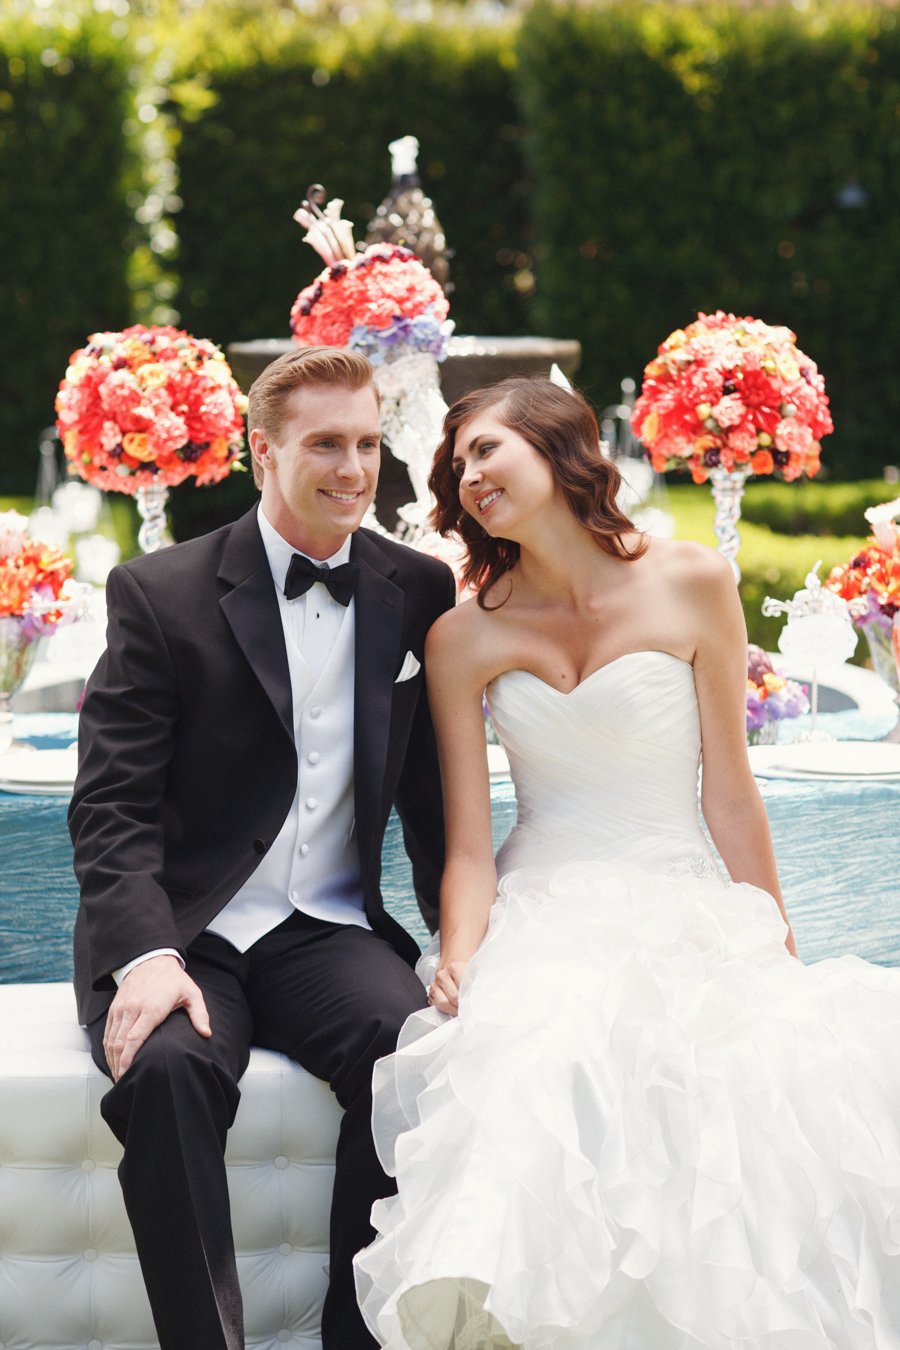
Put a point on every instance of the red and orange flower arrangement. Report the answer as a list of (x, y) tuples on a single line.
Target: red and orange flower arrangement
[(870, 581), (37, 596), (150, 407), (33, 576), (382, 301), (735, 394)]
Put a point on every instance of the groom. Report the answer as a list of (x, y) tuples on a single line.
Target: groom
[(258, 711)]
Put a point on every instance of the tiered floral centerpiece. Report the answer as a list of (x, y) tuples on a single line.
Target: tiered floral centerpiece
[(726, 398), (144, 409), (381, 301), (37, 596), (870, 582)]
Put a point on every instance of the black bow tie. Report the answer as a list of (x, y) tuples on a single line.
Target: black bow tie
[(340, 582)]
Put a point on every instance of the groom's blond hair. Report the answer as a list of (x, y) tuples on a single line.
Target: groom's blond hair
[(306, 368)]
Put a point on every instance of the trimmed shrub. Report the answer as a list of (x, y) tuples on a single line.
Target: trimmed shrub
[(63, 218), (809, 507), (719, 157), (263, 117), (263, 113)]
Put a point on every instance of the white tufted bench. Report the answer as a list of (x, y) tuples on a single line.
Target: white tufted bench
[(69, 1276)]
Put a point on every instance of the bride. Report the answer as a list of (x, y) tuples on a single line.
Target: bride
[(631, 1119)]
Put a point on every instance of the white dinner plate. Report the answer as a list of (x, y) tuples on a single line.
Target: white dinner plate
[(873, 761), (43, 772)]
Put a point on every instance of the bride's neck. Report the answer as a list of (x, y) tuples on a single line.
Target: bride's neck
[(563, 561)]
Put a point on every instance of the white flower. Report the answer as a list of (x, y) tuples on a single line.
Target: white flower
[(331, 237), (13, 532), (882, 518)]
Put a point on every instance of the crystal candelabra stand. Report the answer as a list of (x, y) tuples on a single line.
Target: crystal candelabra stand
[(727, 491), (412, 416), (151, 503)]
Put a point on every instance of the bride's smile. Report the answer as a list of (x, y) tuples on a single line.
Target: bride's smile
[(504, 483)]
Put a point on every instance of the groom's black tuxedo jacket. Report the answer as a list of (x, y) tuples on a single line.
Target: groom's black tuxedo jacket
[(187, 760)]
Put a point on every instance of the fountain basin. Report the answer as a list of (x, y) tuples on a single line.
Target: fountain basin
[(471, 363)]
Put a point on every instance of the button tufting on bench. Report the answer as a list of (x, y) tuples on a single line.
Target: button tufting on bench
[(69, 1274)]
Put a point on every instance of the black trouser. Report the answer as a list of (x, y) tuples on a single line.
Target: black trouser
[(331, 996)]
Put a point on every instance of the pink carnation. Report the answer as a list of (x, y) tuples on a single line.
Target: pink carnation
[(110, 436), (154, 403), (217, 412), (741, 441), (120, 394), (793, 436), (167, 433), (729, 411), (804, 398)]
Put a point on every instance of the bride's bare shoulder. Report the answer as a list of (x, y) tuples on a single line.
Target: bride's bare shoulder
[(462, 640), (688, 564)]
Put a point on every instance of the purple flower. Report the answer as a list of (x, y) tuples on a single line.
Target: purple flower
[(757, 715), (758, 663)]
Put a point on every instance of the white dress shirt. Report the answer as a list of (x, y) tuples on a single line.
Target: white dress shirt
[(313, 863)]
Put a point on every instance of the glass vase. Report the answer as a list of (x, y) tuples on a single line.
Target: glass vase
[(18, 648), (881, 649), (727, 491), (882, 654), (767, 734)]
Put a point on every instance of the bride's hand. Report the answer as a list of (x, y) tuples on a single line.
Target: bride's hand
[(444, 992)]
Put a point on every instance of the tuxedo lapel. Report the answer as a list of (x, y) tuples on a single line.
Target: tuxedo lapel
[(379, 631), (251, 609)]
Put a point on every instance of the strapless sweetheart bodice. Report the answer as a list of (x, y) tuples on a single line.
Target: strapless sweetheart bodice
[(607, 772)]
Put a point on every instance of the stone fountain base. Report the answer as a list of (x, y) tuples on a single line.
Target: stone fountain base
[(471, 363)]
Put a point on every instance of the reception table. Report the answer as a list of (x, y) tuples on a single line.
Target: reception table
[(837, 846)]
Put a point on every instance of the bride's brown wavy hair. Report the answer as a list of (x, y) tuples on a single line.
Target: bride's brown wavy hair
[(562, 427)]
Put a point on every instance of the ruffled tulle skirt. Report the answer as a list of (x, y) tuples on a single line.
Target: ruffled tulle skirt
[(648, 1129)]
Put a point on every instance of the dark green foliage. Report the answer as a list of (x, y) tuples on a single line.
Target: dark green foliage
[(247, 160), (63, 220), (815, 508), (691, 159)]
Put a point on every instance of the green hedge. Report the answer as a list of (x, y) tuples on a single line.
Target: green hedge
[(63, 218), (284, 111), (263, 113), (809, 507), (691, 158)]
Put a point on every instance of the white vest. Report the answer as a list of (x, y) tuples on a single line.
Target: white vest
[(313, 864)]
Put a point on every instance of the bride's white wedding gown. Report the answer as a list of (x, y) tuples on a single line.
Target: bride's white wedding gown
[(649, 1128)]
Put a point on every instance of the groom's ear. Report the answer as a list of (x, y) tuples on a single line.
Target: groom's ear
[(262, 455)]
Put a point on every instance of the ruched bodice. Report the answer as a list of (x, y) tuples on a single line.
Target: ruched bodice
[(607, 771)]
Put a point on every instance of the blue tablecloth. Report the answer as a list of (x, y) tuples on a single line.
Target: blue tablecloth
[(837, 845)]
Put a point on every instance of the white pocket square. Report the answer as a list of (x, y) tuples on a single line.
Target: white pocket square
[(409, 668)]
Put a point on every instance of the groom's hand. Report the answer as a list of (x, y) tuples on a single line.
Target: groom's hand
[(146, 997)]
